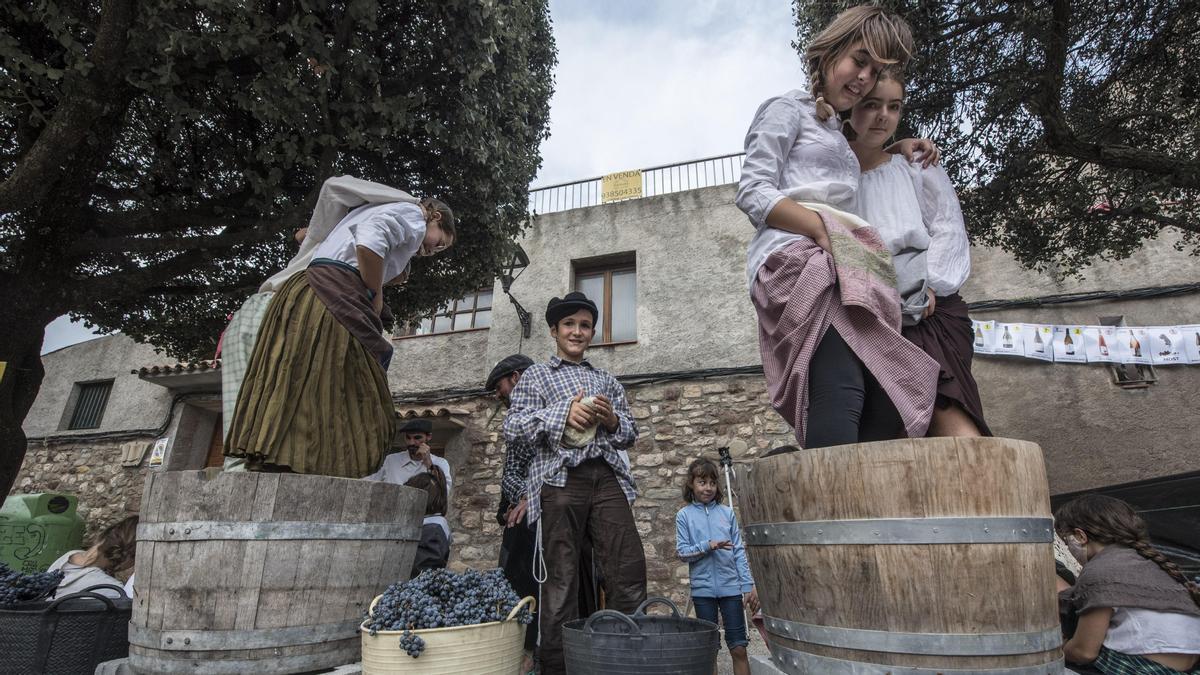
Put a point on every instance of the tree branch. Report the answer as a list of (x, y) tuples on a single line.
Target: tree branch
[(1161, 219), (132, 281), (1059, 137), (969, 23), (85, 100), (236, 232)]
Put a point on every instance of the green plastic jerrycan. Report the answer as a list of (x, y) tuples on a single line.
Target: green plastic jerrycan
[(36, 529)]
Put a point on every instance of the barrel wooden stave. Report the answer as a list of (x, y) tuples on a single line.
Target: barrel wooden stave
[(918, 588), (232, 587)]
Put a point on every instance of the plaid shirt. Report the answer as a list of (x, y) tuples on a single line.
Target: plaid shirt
[(538, 417), (517, 456)]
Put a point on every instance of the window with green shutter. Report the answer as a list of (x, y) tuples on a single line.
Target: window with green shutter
[(90, 404)]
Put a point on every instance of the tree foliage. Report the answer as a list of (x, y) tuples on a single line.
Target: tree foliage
[(188, 139), (155, 157), (1072, 127)]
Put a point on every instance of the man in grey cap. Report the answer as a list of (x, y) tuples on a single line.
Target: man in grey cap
[(501, 381), (416, 457), (517, 545)]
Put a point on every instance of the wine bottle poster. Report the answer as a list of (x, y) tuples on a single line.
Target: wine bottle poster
[(1168, 347), (984, 336), (1191, 343), (1008, 339), (1039, 341), (1137, 349), (1100, 344), (1068, 344)]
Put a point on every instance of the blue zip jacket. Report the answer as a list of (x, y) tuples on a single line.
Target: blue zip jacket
[(714, 574)]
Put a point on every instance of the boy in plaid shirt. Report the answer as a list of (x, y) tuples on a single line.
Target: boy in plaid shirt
[(573, 491)]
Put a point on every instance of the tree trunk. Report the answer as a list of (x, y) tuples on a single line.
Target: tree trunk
[(20, 351)]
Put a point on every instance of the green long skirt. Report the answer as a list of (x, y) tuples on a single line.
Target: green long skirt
[(313, 400)]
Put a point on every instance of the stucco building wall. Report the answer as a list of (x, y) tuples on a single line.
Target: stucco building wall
[(88, 462), (693, 312), (132, 404)]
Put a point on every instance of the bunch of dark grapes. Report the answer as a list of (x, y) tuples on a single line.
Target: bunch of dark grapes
[(17, 587), (412, 644), (439, 598)]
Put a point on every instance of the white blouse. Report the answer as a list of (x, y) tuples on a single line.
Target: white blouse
[(1143, 631), (790, 153), (391, 231), (917, 208)]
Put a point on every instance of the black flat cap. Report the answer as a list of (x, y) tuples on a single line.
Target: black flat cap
[(507, 365), (560, 308), (418, 425)]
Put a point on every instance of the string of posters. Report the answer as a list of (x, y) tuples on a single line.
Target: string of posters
[(1149, 345)]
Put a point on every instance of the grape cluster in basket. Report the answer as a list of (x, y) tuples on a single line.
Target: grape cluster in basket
[(412, 645), (439, 598), (17, 587)]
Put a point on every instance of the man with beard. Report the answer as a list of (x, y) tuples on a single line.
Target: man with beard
[(416, 457)]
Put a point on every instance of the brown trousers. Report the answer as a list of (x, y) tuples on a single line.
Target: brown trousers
[(591, 503)]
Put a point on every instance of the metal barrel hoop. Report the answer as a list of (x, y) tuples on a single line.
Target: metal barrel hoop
[(933, 644), (893, 531)]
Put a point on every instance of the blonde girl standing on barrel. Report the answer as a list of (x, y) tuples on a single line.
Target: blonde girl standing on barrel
[(820, 278)]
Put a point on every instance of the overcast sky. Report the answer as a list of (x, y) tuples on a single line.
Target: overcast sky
[(641, 83)]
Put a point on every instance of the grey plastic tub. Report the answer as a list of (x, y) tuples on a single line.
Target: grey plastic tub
[(609, 642)]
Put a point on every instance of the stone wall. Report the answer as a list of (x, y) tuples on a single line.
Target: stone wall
[(91, 471), (678, 421)]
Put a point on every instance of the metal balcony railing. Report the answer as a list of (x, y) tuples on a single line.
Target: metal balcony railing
[(656, 180)]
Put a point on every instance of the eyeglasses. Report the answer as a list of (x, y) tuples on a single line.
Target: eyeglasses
[(422, 252)]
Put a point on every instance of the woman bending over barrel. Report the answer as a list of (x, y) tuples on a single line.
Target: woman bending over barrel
[(916, 211), (315, 398), (820, 278), (1138, 614)]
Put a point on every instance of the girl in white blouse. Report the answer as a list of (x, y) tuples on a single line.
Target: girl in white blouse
[(836, 375), (916, 211), (315, 397)]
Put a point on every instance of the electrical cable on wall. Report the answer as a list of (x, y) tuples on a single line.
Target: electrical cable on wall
[(1089, 296)]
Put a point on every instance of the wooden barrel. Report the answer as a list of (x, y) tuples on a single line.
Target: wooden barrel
[(263, 572), (916, 556)]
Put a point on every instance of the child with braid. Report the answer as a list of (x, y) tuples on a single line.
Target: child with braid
[(1138, 613), (110, 556)]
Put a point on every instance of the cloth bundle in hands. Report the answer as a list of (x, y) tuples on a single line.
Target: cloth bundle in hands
[(575, 438)]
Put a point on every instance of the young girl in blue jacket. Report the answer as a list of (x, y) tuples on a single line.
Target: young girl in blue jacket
[(707, 538)]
